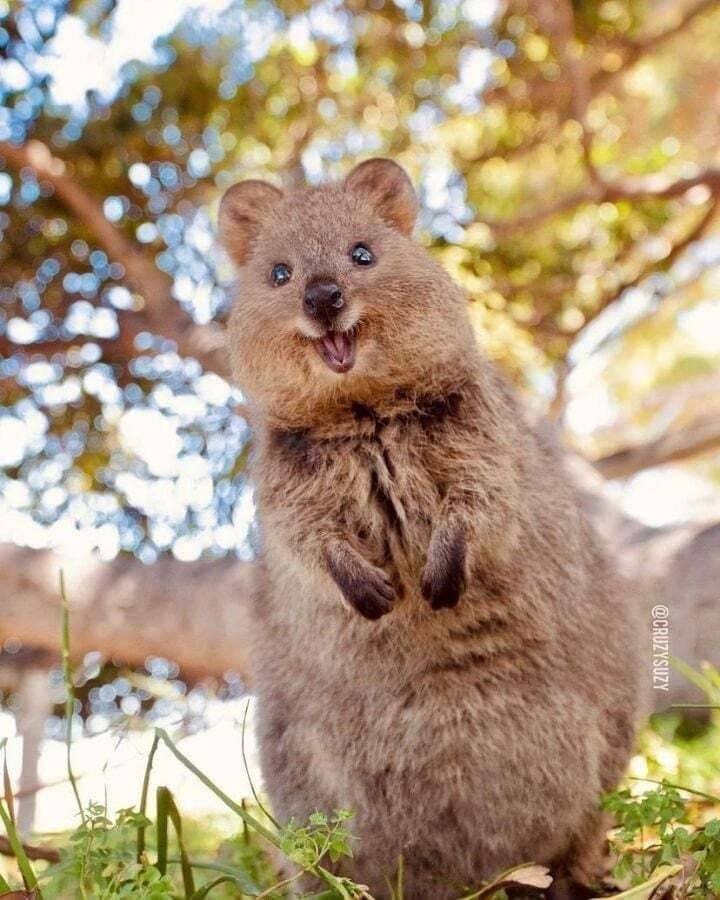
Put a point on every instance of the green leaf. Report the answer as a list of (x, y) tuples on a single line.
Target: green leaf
[(143, 797), (28, 876), (203, 892), (251, 821), (9, 800), (167, 810)]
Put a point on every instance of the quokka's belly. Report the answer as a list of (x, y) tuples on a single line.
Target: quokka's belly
[(461, 787), (463, 769), (509, 775)]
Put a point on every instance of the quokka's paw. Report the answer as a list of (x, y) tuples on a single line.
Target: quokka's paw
[(441, 587), (443, 578), (370, 592), (365, 587)]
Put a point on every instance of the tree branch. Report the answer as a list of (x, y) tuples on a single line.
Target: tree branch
[(118, 351), (667, 403), (49, 854), (161, 314), (544, 324), (204, 343), (635, 50), (563, 369), (651, 187), (692, 235), (559, 21), (141, 273), (701, 436), (193, 613), (556, 94), (577, 89)]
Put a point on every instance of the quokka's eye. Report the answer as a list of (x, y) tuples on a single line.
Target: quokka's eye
[(361, 256), (280, 274)]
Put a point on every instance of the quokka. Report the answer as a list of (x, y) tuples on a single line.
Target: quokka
[(440, 644)]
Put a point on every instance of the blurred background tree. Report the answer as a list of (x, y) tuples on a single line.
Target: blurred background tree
[(566, 156)]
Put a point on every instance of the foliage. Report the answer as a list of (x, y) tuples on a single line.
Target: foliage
[(106, 858), (671, 832), (113, 173), (100, 861), (537, 133), (666, 837), (318, 837), (652, 833)]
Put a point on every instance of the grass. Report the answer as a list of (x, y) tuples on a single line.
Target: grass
[(667, 833)]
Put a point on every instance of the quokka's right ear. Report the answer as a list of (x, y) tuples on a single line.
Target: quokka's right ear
[(243, 208), (387, 187)]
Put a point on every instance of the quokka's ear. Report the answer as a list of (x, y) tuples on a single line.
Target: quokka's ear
[(386, 185), (243, 208)]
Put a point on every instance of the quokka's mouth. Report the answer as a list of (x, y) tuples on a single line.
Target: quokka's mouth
[(337, 350)]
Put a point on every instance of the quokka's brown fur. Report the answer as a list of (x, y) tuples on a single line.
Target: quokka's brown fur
[(441, 645)]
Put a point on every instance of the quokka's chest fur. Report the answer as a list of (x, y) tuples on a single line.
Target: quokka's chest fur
[(377, 478)]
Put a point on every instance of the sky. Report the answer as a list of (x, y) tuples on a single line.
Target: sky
[(136, 26)]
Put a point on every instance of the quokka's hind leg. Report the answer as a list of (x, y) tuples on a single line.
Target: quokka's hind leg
[(582, 872), (292, 777), (294, 783)]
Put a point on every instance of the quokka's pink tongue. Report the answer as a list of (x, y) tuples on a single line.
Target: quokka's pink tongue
[(336, 345)]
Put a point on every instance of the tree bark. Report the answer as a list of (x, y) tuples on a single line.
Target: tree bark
[(677, 567), (193, 613)]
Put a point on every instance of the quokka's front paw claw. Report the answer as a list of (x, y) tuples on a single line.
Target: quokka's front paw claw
[(443, 578), (371, 594), (442, 589)]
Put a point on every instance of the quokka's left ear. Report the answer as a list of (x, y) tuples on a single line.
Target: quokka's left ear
[(389, 190), (243, 209)]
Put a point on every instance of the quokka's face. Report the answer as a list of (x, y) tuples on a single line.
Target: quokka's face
[(334, 295)]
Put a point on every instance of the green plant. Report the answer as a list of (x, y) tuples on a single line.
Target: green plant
[(7, 816), (661, 837), (637, 818), (654, 833), (665, 833), (100, 861)]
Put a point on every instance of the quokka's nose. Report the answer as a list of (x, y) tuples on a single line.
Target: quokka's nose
[(323, 299)]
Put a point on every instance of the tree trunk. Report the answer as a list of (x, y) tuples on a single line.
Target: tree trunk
[(35, 696), (677, 568)]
